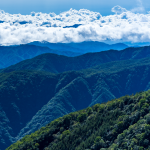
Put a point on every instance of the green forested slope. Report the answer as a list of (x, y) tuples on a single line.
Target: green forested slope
[(123, 123), (31, 99)]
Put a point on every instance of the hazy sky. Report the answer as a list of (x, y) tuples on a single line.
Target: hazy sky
[(46, 6)]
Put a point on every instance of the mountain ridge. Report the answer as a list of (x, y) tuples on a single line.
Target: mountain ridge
[(57, 63), (82, 47), (25, 108), (122, 123), (13, 54), (64, 95)]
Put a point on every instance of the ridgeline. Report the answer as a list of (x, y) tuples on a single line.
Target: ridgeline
[(123, 123)]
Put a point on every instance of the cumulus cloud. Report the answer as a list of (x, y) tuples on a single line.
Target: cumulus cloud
[(118, 9), (74, 26)]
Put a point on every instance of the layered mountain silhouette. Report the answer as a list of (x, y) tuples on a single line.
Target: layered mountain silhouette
[(11, 55), (57, 63), (82, 47), (74, 26), (31, 95)]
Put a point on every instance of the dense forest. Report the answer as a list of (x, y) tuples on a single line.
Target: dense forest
[(37, 91), (122, 123)]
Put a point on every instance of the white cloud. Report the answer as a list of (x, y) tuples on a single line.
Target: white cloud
[(124, 26), (118, 9)]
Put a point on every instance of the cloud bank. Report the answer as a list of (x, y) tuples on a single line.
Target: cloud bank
[(75, 26)]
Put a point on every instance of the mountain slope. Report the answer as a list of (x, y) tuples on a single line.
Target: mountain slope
[(35, 90), (21, 96), (13, 54), (101, 88), (118, 124), (57, 63), (23, 93)]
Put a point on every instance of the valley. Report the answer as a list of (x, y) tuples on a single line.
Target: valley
[(33, 97)]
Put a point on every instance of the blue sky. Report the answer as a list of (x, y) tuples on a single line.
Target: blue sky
[(46, 6), (111, 21)]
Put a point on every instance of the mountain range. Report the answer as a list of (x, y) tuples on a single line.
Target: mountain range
[(11, 55), (57, 63), (123, 123), (36, 91), (82, 47)]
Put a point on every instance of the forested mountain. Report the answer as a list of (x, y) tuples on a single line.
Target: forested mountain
[(11, 55), (31, 99), (57, 63), (31, 95), (82, 47), (123, 123)]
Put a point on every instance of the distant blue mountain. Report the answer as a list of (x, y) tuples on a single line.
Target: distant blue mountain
[(11, 55), (56, 46), (1, 21), (74, 26), (23, 22), (140, 44), (83, 47), (91, 46)]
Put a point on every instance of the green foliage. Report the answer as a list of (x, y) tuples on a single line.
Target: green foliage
[(100, 127), (120, 124), (29, 87), (66, 132), (146, 105), (67, 119), (98, 138), (82, 117), (142, 102), (141, 148), (89, 110), (96, 107), (36, 144)]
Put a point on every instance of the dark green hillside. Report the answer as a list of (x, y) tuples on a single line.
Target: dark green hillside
[(31, 99), (123, 123), (57, 63), (21, 96)]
